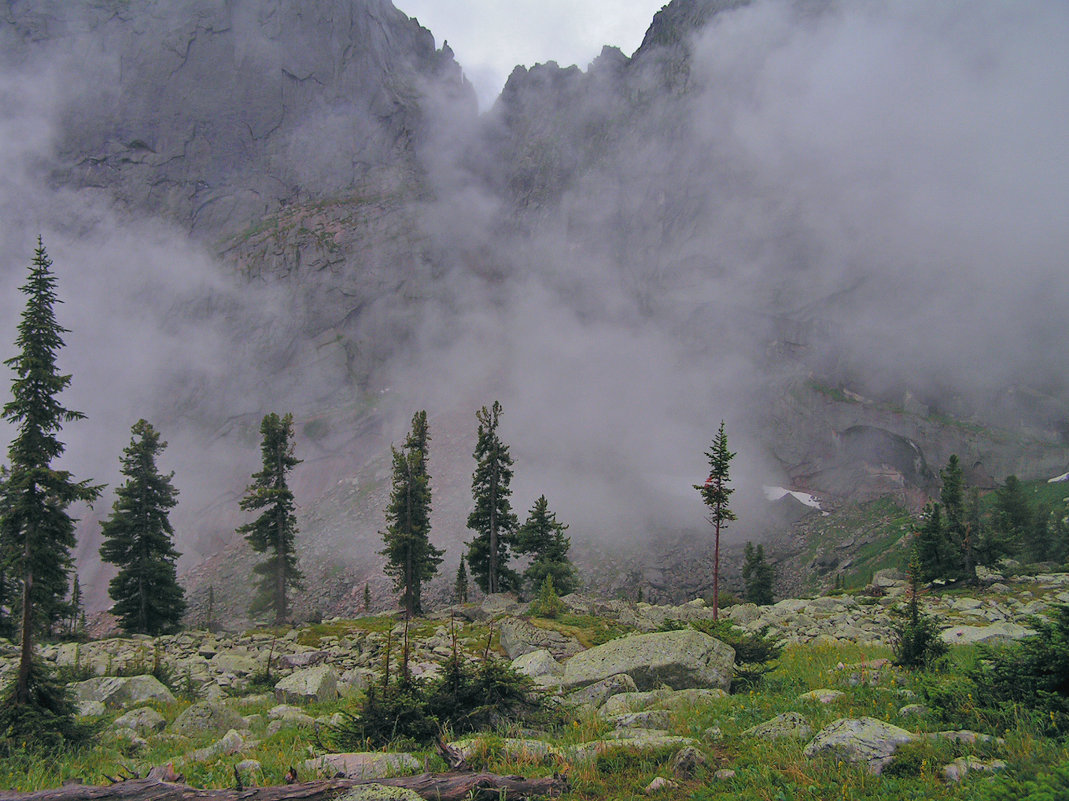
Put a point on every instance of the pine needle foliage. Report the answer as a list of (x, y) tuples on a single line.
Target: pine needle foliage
[(36, 530), (915, 642), (1032, 673), (542, 537), (492, 519), (138, 538), (460, 585), (757, 575), (548, 604), (716, 494), (467, 696), (411, 560), (275, 530)]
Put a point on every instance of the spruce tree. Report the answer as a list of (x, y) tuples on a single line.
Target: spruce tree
[(757, 575), (492, 519), (36, 530), (274, 531), (367, 598), (1013, 515), (410, 558), (931, 544), (716, 494), (542, 537), (77, 612), (138, 538), (460, 586)]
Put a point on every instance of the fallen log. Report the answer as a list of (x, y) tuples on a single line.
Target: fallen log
[(452, 786)]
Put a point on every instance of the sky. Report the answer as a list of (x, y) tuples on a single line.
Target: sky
[(490, 37)]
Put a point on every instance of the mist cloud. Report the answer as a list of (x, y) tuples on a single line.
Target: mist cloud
[(889, 180)]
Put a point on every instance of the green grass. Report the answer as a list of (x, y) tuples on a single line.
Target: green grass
[(764, 771)]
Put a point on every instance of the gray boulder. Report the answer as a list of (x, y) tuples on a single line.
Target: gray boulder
[(539, 666), (311, 684), (995, 633), (678, 659), (230, 743), (789, 724), (519, 637), (206, 716), (363, 765), (117, 692), (631, 702), (379, 792), (643, 744), (599, 692), (682, 700), (865, 741), (144, 720)]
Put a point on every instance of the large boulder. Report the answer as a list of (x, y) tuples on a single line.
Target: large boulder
[(519, 637), (363, 765), (678, 659), (117, 692), (311, 684), (791, 725), (995, 633), (540, 666), (206, 716), (144, 720), (599, 692), (865, 741)]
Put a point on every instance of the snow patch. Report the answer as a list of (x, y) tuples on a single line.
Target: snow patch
[(1058, 479), (775, 493)]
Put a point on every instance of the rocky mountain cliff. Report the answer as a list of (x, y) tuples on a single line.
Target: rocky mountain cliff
[(624, 254)]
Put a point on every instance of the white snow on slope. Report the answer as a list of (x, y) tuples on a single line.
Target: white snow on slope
[(775, 493)]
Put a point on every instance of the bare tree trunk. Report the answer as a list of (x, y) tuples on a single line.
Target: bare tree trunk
[(22, 684), (716, 573)]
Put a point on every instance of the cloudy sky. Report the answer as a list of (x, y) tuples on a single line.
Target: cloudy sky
[(491, 37)]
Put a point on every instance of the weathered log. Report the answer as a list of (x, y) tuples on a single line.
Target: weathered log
[(451, 786)]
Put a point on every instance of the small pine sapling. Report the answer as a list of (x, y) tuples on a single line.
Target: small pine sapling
[(916, 643)]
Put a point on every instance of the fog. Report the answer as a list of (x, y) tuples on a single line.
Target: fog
[(889, 179)]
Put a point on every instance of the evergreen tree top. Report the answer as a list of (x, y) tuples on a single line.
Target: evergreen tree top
[(34, 407), (715, 491)]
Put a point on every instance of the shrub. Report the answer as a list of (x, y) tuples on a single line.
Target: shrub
[(548, 604), (463, 699), (1034, 673), (1051, 786), (915, 641), (755, 652)]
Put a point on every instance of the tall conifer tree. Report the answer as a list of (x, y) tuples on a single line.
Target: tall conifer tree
[(492, 519), (36, 530), (716, 494), (542, 536), (410, 557), (274, 531), (138, 538), (758, 575)]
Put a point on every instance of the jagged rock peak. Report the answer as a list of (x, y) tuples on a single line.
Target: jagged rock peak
[(212, 112), (677, 21)]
